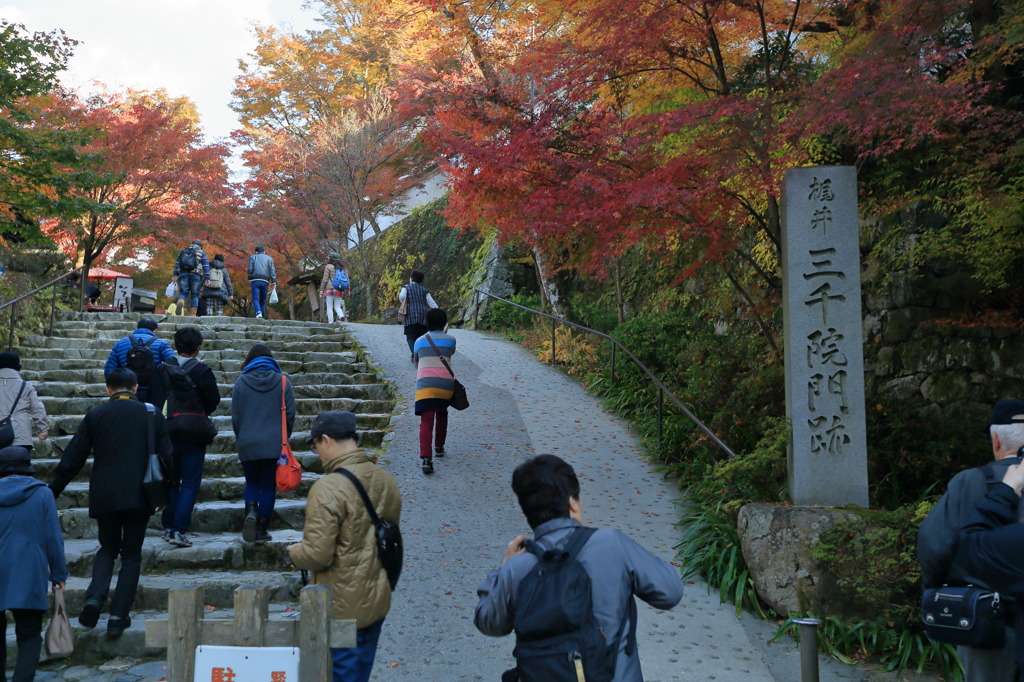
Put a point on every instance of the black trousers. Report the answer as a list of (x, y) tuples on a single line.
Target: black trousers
[(121, 533), (413, 332), (28, 626)]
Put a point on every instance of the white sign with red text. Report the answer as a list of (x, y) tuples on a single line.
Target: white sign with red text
[(247, 664)]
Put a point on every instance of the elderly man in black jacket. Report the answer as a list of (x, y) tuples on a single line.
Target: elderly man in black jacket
[(116, 434)]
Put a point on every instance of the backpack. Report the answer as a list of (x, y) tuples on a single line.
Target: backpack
[(557, 636), (387, 535), (186, 420), (216, 278), (140, 359), (340, 281), (187, 260)]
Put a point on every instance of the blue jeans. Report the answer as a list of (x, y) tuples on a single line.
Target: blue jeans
[(259, 296), (356, 664), (188, 288), (261, 485), (188, 466)]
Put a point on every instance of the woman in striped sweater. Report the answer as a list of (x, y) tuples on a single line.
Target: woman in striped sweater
[(434, 385)]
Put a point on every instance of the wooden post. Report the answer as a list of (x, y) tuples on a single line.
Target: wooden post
[(251, 610), (185, 613), (314, 623)]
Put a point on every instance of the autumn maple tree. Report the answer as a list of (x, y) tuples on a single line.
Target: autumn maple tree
[(161, 182)]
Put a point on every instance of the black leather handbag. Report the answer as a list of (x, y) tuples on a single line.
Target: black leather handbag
[(969, 616), (6, 427)]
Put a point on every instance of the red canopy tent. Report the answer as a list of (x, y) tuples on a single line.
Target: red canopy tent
[(103, 273)]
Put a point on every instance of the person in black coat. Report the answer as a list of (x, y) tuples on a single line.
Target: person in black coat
[(116, 434), (991, 547), (191, 441)]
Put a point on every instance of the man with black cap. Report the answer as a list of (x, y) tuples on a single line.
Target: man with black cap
[(191, 272), (338, 545), (31, 554), (130, 353), (937, 537)]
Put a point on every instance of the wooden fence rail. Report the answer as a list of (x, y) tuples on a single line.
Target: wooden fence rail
[(315, 632)]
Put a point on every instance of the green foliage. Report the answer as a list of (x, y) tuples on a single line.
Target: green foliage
[(422, 241), (501, 316), (909, 454), (874, 560), (41, 158), (876, 639)]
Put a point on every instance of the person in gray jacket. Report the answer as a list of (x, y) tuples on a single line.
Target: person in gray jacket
[(619, 568), (262, 277), (29, 410), (256, 420)]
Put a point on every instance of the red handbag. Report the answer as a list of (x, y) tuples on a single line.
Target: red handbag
[(289, 471)]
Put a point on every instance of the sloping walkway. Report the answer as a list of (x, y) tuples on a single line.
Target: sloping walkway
[(457, 522)]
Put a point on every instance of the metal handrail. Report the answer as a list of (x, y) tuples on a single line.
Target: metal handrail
[(662, 389), (53, 303)]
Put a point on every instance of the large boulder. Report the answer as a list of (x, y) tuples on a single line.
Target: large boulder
[(776, 541)]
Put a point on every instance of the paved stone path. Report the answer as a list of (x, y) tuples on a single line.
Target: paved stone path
[(457, 522)]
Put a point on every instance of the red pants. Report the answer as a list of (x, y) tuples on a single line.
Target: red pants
[(427, 421)]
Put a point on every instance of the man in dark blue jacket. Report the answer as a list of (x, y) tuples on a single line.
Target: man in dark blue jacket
[(191, 272), (991, 546), (116, 435), (148, 378)]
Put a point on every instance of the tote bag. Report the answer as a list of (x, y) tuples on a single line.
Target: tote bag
[(60, 637), (289, 472)]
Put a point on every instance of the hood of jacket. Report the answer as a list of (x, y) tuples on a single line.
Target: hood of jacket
[(263, 380), (219, 264), (15, 489)]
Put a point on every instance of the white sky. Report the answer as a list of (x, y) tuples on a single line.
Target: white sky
[(187, 47)]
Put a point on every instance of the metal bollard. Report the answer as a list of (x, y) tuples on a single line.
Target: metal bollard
[(808, 648)]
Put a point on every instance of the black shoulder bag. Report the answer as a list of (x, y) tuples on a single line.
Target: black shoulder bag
[(155, 481), (966, 615), (389, 536), (6, 427)]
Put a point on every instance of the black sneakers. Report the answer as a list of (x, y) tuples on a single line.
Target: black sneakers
[(428, 466), (438, 452)]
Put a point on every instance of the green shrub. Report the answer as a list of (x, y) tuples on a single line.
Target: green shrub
[(503, 317)]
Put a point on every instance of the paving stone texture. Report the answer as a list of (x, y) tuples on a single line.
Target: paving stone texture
[(455, 522)]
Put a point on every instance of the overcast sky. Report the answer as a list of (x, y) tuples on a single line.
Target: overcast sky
[(187, 47)]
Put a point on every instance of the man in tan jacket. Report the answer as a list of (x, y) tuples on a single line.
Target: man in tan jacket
[(338, 545)]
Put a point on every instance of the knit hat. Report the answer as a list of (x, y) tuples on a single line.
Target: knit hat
[(9, 360), (14, 459), (334, 255), (196, 242)]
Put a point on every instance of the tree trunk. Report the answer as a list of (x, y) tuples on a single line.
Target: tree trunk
[(619, 307), (549, 285)]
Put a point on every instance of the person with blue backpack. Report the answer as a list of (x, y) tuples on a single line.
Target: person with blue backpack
[(142, 351), (191, 272), (334, 288), (568, 593)]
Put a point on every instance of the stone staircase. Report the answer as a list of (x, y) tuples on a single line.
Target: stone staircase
[(327, 372)]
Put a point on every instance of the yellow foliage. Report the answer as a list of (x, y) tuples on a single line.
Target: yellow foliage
[(570, 348)]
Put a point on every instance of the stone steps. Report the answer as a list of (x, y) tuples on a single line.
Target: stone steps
[(208, 517), (344, 394), (215, 466), (76, 494), (306, 411), (342, 387), (327, 372), (224, 443), (210, 552)]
